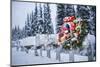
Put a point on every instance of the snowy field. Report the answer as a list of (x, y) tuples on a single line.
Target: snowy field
[(23, 58)]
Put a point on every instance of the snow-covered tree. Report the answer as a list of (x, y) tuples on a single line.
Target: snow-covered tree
[(60, 15), (40, 20), (34, 21), (48, 27), (28, 26), (16, 33), (69, 10)]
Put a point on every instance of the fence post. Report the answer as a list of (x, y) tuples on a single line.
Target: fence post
[(71, 55), (36, 53), (40, 51), (58, 51), (18, 45), (48, 51), (89, 52)]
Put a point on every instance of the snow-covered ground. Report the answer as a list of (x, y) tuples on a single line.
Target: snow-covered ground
[(23, 58)]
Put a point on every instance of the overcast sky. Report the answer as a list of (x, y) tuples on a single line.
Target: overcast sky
[(20, 10)]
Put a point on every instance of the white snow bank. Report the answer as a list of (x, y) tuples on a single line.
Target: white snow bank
[(27, 41), (39, 39)]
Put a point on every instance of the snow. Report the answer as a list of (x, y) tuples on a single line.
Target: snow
[(23, 58), (89, 40), (27, 41), (40, 39)]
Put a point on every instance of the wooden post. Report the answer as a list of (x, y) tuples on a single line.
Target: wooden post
[(18, 45), (71, 52), (71, 55), (36, 53), (22, 48), (41, 51), (37, 43), (58, 51), (48, 51), (89, 52), (26, 50)]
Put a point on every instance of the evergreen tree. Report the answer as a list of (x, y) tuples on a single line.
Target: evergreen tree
[(60, 15), (34, 21), (16, 33), (28, 26), (14, 30), (40, 20), (69, 10), (92, 19), (83, 11), (48, 27), (23, 33)]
